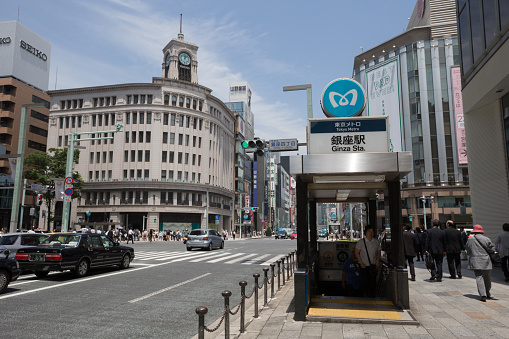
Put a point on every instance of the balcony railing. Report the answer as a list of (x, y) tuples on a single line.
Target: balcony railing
[(215, 204), (103, 202), (198, 203), (141, 201), (226, 207), (90, 202)]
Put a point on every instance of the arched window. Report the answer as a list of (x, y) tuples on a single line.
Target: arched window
[(188, 103), (194, 104), (174, 100), (166, 99), (181, 101), (200, 105)]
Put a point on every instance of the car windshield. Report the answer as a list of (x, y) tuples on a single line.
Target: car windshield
[(62, 240), (8, 239), (198, 232)]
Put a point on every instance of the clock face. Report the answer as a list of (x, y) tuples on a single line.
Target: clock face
[(184, 59), (167, 60)]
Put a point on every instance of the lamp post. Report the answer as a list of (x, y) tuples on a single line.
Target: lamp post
[(423, 199), (306, 87), (19, 165), (70, 164)]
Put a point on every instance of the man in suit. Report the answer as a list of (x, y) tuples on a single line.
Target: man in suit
[(435, 246), (453, 246), (410, 244)]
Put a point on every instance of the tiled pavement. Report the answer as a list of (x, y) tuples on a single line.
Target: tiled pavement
[(447, 309)]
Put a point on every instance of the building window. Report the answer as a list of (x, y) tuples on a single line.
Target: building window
[(186, 158), (181, 121), (174, 100), (166, 99), (147, 155), (165, 137), (135, 118), (140, 155), (172, 138), (149, 118), (181, 101), (138, 175), (188, 103), (127, 118), (140, 136), (181, 139), (179, 176), (163, 178), (126, 156), (164, 156), (129, 99), (165, 118), (172, 157), (179, 158), (133, 156), (194, 104), (170, 177), (187, 140), (125, 176), (146, 175), (172, 120), (149, 99), (111, 156), (148, 136), (142, 117)]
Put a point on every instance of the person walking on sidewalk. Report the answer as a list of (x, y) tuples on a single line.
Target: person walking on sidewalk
[(367, 251), (410, 243), (478, 249), (502, 242), (435, 246), (453, 247), (421, 239)]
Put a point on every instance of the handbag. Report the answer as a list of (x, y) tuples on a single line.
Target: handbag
[(372, 268), (429, 262), (494, 257)]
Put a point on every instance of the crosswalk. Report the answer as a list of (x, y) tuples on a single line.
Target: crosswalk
[(224, 257)]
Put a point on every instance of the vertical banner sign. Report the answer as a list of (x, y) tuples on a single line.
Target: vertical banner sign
[(12, 164), (382, 83), (59, 190), (461, 142), (255, 184)]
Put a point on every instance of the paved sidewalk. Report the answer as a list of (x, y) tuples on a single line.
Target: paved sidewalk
[(447, 309)]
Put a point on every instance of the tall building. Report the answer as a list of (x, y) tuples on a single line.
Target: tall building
[(240, 103), (411, 78), (172, 167), (484, 40), (24, 76)]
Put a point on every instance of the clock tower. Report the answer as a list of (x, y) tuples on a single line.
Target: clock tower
[(180, 60)]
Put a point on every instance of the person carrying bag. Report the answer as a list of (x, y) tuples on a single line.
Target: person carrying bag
[(478, 249), (365, 249)]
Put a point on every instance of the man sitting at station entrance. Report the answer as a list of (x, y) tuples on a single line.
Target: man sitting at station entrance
[(367, 251)]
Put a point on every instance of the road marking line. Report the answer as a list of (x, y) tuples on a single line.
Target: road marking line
[(239, 259), (273, 260), (81, 280), (211, 255), (22, 282), (168, 288), (252, 261), (225, 258)]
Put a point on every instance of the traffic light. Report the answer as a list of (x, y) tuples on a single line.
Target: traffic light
[(155, 221), (257, 146), (410, 218), (39, 199)]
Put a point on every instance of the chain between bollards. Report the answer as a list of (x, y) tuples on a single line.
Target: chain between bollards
[(256, 276), (272, 280)]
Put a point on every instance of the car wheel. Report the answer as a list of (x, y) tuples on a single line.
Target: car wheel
[(210, 247), (222, 245), (41, 274), (82, 268), (4, 280), (126, 260)]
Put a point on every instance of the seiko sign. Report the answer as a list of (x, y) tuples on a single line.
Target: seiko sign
[(33, 50), (6, 40)]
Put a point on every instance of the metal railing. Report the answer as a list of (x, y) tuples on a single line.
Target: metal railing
[(289, 267)]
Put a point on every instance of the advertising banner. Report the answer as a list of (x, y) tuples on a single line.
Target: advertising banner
[(461, 142), (59, 190), (383, 89)]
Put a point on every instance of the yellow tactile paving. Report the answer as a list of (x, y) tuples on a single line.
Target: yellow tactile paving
[(348, 301), (355, 313)]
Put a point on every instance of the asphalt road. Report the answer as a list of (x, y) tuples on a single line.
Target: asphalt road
[(155, 298)]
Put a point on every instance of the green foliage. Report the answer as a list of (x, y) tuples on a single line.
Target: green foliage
[(268, 231)]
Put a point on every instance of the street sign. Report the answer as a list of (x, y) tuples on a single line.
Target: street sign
[(343, 98), (68, 191), (246, 216), (333, 216), (69, 180), (67, 198), (217, 217), (281, 145), (37, 187)]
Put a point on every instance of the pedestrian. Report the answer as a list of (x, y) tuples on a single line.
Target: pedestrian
[(130, 235), (464, 235), (435, 246), (421, 240), (351, 276), (502, 243), (410, 243), (110, 233), (453, 246), (478, 249), (367, 251), (233, 235)]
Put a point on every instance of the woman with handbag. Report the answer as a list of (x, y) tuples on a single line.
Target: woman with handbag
[(479, 248), (367, 251)]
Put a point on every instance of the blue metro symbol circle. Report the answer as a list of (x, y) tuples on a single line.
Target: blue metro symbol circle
[(343, 98)]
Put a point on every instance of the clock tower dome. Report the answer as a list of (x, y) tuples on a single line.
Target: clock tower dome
[(180, 60)]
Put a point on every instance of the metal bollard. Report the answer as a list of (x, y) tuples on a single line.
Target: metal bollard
[(243, 285), (226, 295), (278, 274), (256, 276), (287, 267), (201, 311), (265, 280), (283, 269), (294, 263), (272, 280)]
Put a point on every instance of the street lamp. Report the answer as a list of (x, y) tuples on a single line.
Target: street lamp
[(70, 164), (423, 199), (306, 87), (19, 164)]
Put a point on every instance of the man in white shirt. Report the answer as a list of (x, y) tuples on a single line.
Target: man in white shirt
[(367, 251)]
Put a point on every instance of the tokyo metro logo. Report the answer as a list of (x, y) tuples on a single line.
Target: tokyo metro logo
[(343, 98)]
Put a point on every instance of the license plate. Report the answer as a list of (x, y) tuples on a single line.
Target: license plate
[(37, 257)]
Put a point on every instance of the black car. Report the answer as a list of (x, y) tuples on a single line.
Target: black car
[(74, 251), (9, 270), (281, 235)]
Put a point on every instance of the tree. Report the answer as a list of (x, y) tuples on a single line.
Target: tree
[(43, 166)]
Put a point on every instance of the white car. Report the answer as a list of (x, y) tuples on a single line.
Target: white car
[(14, 241)]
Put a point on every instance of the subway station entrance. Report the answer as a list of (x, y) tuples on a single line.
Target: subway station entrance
[(348, 178)]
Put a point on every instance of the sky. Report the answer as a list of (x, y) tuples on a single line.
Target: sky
[(270, 44)]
